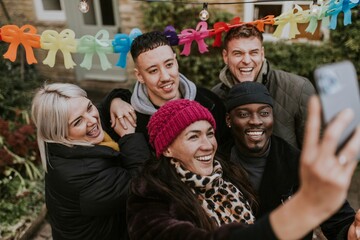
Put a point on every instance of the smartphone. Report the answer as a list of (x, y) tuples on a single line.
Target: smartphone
[(338, 88)]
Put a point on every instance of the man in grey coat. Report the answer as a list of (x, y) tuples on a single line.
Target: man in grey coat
[(244, 57)]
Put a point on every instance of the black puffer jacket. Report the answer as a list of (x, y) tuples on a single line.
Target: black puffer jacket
[(87, 188)]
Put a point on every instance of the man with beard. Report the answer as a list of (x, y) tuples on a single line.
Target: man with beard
[(271, 163), (244, 56)]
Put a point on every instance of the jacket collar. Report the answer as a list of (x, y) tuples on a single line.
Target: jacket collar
[(140, 97)]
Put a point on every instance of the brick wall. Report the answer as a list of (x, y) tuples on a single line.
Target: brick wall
[(131, 15), (235, 9), (20, 11)]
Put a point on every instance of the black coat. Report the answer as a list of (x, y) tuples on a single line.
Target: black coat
[(204, 96), (153, 214), (86, 187), (281, 180)]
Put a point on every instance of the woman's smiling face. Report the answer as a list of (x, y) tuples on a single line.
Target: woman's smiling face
[(84, 121), (195, 148)]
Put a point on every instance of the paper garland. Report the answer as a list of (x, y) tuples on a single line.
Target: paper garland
[(122, 44), (187, 36), (101, 44), (293, 17), (65, 42), (317, 12), (337, 6), (26, 35)]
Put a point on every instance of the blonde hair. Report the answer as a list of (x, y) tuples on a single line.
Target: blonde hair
[(50, 114)]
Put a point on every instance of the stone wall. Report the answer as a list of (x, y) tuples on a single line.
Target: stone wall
[(21, 12)]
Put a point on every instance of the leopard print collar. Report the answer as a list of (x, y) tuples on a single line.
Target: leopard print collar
[(222, 201)]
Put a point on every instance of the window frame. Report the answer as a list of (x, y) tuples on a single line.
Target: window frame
[(49, 15), (286, 6)]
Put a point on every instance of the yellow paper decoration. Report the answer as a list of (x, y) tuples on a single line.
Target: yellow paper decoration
[(292, 17), (53, 41)]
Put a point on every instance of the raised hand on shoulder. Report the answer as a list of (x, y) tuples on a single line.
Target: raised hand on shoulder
[(121, 131), (122, 112)]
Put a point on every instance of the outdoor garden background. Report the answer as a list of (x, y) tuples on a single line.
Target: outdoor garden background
[(21, 175)]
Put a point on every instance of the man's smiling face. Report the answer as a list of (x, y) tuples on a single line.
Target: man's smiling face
[(251, 126), (244, 57), (159, 71)]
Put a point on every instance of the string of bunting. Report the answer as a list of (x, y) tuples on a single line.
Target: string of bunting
[(101, 44)]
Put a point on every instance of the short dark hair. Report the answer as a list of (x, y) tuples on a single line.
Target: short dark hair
[(243, 31), (148, 41)]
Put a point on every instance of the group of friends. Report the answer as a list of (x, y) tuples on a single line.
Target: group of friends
[(248, 159)]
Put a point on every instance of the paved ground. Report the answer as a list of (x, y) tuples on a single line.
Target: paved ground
[(44, 232)]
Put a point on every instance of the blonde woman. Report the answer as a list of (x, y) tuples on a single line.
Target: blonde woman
[(87, 173)]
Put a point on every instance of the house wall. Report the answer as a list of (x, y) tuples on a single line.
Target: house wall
[(20, 11), (236, 9), (131, 17)]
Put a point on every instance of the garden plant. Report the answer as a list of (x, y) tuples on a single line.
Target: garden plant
[(21, 175)]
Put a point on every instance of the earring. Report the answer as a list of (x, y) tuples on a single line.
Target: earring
[(229, 126)]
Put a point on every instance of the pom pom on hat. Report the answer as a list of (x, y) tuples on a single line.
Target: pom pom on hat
[(246, 93), (171, 119)]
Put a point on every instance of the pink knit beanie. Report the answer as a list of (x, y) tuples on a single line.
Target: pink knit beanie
[(171, 119)]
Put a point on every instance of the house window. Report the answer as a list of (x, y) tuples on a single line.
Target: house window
[(262, 10), (317, 35), (107, 11), (49, 10), (101, 14), (254, 11)]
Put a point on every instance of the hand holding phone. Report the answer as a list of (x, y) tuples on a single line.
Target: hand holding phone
[(338, 88)]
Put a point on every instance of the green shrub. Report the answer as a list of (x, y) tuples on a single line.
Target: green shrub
[(21, 177), (19, 210), (17, 133), (347, 39), (300, 58), (17, 82)]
